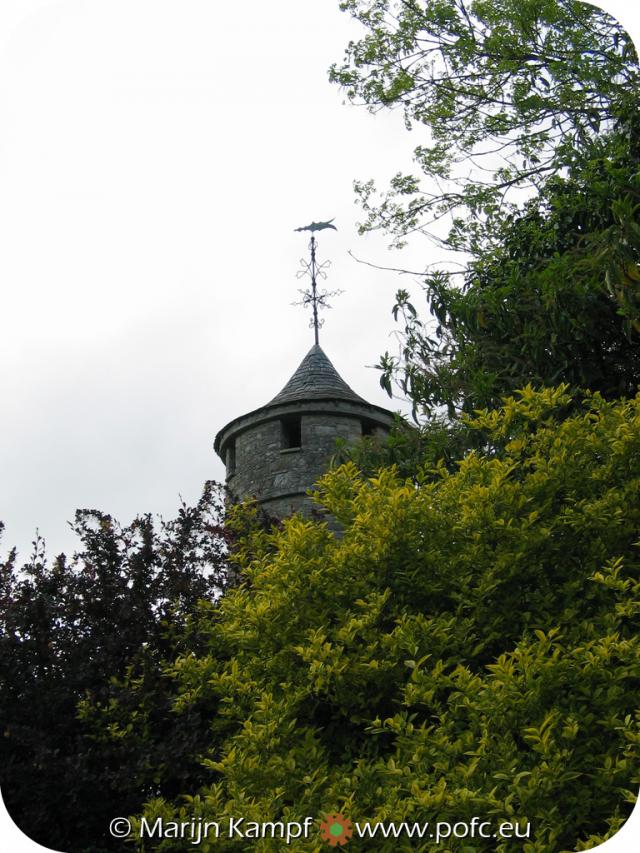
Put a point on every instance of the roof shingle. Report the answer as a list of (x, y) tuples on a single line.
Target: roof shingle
[(316, 378)]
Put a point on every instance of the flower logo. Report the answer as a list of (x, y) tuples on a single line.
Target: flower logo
[(336, 829)]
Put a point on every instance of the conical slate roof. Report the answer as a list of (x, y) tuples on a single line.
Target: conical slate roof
[(316, 378)]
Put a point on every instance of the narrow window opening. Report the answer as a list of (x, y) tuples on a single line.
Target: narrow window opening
[(231, 459), (368, 428), (291, 432)]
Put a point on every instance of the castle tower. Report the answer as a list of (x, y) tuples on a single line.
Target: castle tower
[(277, 452)]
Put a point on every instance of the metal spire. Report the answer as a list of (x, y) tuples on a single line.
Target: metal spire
[(314, 270)]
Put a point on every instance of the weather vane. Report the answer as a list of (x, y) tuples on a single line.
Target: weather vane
[(315, 270)]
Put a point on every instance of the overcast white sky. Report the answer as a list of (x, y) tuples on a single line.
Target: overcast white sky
[(155, 157)]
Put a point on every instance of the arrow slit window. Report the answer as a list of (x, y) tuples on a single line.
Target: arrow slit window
[(231, 459), (291, 432)]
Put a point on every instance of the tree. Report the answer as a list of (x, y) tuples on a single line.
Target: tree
[(555, 300), (531, 157), (509, 90), (97, 628), (468, 646)]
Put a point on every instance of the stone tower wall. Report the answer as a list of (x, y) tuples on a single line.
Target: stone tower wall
[(279, 476)]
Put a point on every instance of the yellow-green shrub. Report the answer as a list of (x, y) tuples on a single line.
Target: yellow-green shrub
[(467, 647)]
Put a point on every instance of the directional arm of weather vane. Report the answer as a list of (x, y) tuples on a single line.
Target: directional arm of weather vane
[(320, 268), (328, 294), (306, 268)]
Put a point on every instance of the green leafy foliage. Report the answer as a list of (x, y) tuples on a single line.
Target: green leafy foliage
[(409, 448), (468, 645), (508, 89), (93, 632), (555, 300), (528, 165)]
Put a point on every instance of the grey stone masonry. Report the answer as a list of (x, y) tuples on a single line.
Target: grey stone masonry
[(278, 452)]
